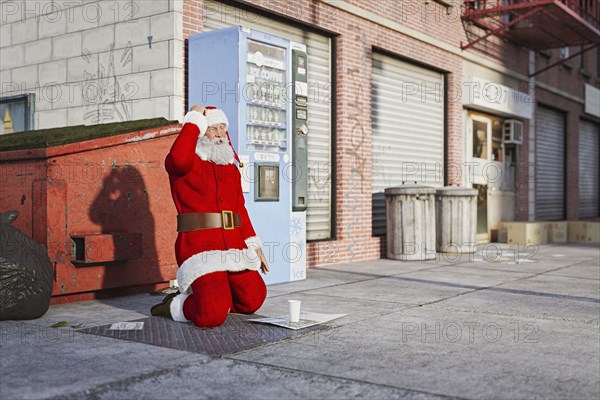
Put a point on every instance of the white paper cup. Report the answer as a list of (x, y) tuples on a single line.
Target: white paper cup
[(294, 310)]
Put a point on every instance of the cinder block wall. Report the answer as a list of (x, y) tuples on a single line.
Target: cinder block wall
[(90, 62)]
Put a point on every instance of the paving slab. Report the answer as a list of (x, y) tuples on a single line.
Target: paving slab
[(425, 348), (397, 289), (552, 285), (527, 304), (101, 312), (587, 250), (357, 309), (347, 273), (521, 264), (583, 271), (385, 267), (245, 380), (318, 278), (40, 362), (460, 275), (531, 259)]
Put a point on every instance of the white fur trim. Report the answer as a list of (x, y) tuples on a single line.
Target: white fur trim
[(196, 118), (215, 260), (253, 241), (216, 116), (177, 307)]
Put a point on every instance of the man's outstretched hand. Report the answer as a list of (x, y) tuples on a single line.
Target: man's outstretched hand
[(264, 267)]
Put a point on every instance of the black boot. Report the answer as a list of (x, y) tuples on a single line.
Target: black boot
[(163, 309)]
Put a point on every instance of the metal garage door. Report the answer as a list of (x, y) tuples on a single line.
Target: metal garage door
[(408, 129), (318, 216), (550, 171), (589, 170)]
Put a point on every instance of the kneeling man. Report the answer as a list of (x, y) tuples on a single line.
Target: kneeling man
[(217, 250)]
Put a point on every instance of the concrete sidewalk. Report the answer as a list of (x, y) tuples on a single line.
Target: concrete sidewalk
[(480, 328)]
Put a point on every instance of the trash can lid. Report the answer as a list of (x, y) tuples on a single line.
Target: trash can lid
[(409, 189), (456, 191)]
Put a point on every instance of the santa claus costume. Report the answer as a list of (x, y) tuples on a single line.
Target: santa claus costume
[(216, 244)]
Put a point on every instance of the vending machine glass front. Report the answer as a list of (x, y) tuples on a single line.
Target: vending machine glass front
[(266, 97)]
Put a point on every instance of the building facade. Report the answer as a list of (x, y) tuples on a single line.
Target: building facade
[(398, 92)]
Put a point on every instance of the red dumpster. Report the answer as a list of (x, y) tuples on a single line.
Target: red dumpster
[(98, 198)]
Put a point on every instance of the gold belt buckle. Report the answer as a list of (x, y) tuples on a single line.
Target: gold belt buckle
[(227, 215)]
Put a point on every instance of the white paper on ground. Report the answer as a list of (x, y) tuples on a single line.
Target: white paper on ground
[(127, 326), (306, 319)]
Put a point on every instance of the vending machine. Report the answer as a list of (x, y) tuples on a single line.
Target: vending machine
[(260, 81)]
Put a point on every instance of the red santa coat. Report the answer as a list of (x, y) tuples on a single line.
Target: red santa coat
[(204, 186)]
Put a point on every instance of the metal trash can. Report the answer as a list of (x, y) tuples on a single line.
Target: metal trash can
[(456, 219), (410, 215)]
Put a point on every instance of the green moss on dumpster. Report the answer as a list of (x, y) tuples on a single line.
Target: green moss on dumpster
[(45, 138)]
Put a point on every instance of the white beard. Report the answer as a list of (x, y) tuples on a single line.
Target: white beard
[(208, 150)]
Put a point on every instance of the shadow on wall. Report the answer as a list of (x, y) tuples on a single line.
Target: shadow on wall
[(122, 209)]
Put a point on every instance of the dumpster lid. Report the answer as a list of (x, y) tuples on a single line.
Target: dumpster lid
[(456, 191), (410, 189), (44, 138)]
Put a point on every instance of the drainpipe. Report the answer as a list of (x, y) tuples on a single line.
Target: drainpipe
[(531, 170)]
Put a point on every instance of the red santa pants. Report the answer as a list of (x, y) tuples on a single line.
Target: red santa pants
[(215, 294)]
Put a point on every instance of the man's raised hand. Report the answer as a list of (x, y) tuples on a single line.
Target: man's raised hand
[(199, 108)]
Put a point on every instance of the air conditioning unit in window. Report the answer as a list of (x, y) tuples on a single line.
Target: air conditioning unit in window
[(513, 131)]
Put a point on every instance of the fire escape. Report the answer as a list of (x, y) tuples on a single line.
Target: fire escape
[(534, 24)]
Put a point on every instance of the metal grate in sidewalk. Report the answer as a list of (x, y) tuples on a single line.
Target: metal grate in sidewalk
[(234, 335)]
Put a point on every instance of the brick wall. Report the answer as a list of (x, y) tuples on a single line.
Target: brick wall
[(355, 40), (569, 77), (445, 24)]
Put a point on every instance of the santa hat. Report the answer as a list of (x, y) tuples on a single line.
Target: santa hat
[(215, 116), (235, 155), (212, 116)]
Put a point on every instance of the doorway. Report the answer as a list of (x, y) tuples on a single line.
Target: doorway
[(479, 148)]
